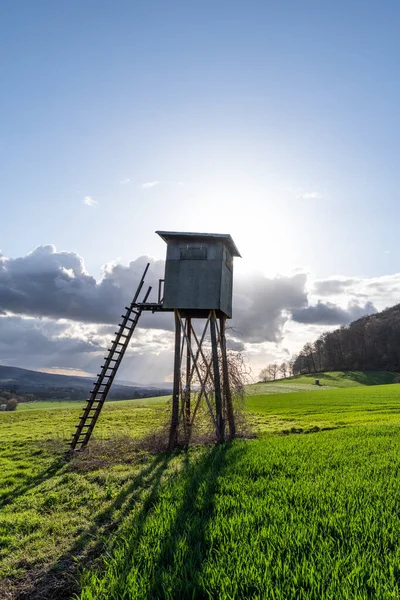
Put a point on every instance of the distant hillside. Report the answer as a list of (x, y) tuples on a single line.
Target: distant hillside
[(51, 386), (330, 380), (371, 343)]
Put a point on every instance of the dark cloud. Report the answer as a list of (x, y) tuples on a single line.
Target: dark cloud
[(36, 343), (263, 305), (52, 284), (235, 345), (331, 314), (330, 287), (55, 284)]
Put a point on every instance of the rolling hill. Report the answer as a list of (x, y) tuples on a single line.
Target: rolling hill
[(53, 386), (328, 380)]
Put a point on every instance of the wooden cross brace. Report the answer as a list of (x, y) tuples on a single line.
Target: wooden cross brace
[(188, 345)]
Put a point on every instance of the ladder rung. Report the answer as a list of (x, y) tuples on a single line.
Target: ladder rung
[(121, 334), (114, 352), (133, 312)]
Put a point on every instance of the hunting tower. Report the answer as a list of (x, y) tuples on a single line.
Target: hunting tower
[(199, 272), (197, 285)]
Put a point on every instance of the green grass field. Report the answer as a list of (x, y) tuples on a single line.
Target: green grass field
[(308, 510), (332, 380)]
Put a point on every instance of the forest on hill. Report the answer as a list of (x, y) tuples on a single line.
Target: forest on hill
[(371, 343)]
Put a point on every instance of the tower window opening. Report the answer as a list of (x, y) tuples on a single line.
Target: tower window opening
[(194, 253)]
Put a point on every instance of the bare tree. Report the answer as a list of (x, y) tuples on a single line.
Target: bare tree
[(309, 353), (283, 369), (264, 375), (273, 370), (290, 365)]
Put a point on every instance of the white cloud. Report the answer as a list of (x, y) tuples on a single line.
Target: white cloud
[(125, 181), (149, 184), (89, 201), (309, 195), (73, 315)]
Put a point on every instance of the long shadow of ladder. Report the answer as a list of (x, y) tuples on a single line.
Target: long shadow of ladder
[(108, 371)]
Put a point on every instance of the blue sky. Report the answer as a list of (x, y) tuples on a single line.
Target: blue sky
[(277, 122)]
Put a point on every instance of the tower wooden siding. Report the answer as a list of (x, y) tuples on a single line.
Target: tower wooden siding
[(199, 272)]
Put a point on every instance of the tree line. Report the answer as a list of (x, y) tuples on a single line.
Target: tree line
[(10, 400), (371, 343), (274, 371)]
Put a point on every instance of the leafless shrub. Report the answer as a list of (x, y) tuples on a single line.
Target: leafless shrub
[(12, 404), (202, 428)]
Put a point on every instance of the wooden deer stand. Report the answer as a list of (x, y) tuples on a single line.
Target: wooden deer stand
[(197, 286)]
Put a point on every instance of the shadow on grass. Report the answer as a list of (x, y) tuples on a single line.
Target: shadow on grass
[(182, 553), (362, 377), (166, 552), (30, 482), (371, 377), (59, 581)]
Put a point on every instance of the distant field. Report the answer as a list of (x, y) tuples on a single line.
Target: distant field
[(331, 380), (72, 404), (286, 516)]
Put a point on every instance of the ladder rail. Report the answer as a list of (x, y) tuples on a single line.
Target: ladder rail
[(109, 369)]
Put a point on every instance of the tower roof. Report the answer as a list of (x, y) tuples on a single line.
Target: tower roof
[(199, 237)]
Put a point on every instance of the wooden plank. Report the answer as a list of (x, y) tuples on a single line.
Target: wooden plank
[(217, 382), (173, 432)]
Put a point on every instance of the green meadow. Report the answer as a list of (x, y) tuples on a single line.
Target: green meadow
[(332, 380), (309, 509)]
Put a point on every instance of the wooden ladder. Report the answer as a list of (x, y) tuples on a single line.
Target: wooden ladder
[(109, 369)]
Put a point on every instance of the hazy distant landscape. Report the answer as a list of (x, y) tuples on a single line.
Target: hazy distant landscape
[(47, 386)]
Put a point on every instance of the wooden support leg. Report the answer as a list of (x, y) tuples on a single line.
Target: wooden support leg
[(188, 376), (173, 433), (217, 382), (226, 383)]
